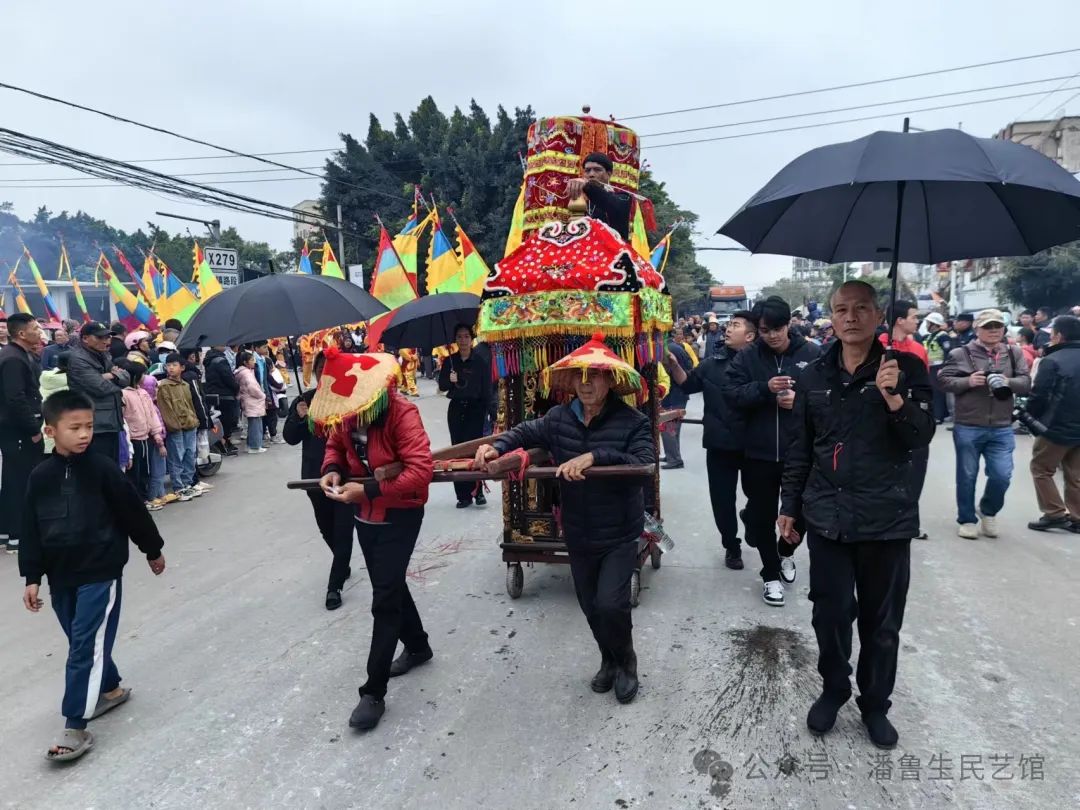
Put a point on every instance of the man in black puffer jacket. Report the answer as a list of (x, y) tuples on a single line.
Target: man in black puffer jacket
[(221, 383), (1055, 401), (847, 475), (761, 384), (723, 425), (602, 519)]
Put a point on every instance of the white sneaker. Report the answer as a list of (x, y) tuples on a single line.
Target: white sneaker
[(201, 487), (988, 526), (193, 492), (277, 440), (252, 451), (773, 593), (787, 569), (183, 495), (969, 531)]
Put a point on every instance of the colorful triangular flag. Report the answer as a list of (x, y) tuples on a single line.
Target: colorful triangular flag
[(474, 270), (51, 312), (330, 266), (517, 224), (390, 282), (209, 286), (305, 261), (442, 261)]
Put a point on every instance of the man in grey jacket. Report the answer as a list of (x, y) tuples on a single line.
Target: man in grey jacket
[(984, 375), (91, 372)]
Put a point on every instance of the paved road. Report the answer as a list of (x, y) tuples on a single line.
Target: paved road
[(244, 683)]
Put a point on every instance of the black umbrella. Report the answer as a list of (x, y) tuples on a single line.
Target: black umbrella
[(276, 306), (921, 197), (429, 321)]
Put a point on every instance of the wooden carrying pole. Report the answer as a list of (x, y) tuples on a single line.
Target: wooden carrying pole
[(612, 471)]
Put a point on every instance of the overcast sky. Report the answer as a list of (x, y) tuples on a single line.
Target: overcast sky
[(252, 75)]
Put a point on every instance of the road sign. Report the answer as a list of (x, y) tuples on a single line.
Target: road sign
[(225, 262), (356, 275)]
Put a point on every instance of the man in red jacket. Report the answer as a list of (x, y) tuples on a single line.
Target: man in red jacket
[(370, 425)]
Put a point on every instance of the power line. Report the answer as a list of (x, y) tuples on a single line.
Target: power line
[(23, 145), (198, 157), (163, 131), (195, 174), (859, 107), (114, 183), (852, 120), (849, 86)]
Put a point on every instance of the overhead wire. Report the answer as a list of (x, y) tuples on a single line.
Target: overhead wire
[(875, 117), (850, 85), (854, 107)]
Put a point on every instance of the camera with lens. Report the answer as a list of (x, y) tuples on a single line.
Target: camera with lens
[(1034, 426), (999, 385)]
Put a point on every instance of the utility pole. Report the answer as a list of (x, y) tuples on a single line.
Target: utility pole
[(212, 225), (954, 305), (341, 239)]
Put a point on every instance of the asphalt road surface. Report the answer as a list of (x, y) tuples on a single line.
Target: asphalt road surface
[(243, 682)]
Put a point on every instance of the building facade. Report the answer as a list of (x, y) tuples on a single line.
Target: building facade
[(305, 230)]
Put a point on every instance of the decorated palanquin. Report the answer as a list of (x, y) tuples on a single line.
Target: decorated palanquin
[(571, 277), (556, 149)]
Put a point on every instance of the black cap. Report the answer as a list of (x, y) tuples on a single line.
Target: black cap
[(94, 329), (965, 316)]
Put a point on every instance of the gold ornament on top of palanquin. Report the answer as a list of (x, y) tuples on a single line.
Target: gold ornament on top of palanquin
[(557, 147)]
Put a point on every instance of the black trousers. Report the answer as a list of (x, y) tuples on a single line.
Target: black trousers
[(230, 416), (465, 417), (108, 444), (139, 474), (602, 583), (865, 582), (20, 457), (761, 485), (335, 521), (941, 402), (270, 420), (723, 467), (387, 549)]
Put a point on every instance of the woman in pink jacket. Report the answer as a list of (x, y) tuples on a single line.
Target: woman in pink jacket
[(146, 432), (252, 401)]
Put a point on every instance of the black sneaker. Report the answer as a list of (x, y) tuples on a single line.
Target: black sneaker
[(733, 559), (480, 500), (367, 713), (604, 679), (881, 731), (1074, 526), (1045, 524), (822, 715), (407, 660), (672, 465), (333, 599), (464, 504)]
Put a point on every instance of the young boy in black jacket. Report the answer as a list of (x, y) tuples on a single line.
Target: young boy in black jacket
[(80, 511)]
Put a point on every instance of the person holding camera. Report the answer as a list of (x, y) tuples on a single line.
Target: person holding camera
[(985, 375), (1055, 407)]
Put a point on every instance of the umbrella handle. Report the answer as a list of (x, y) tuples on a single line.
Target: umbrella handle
[(892, 354)]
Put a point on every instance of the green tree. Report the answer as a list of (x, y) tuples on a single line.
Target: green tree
[(1050, 278)]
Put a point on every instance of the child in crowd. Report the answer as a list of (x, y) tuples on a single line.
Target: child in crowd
[(252, 401), (53, 380), (147, 434), (80, 512), (181, 424)]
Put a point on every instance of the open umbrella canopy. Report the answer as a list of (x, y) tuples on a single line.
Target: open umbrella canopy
[(276, 305), (961, 197), (429, 321)]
